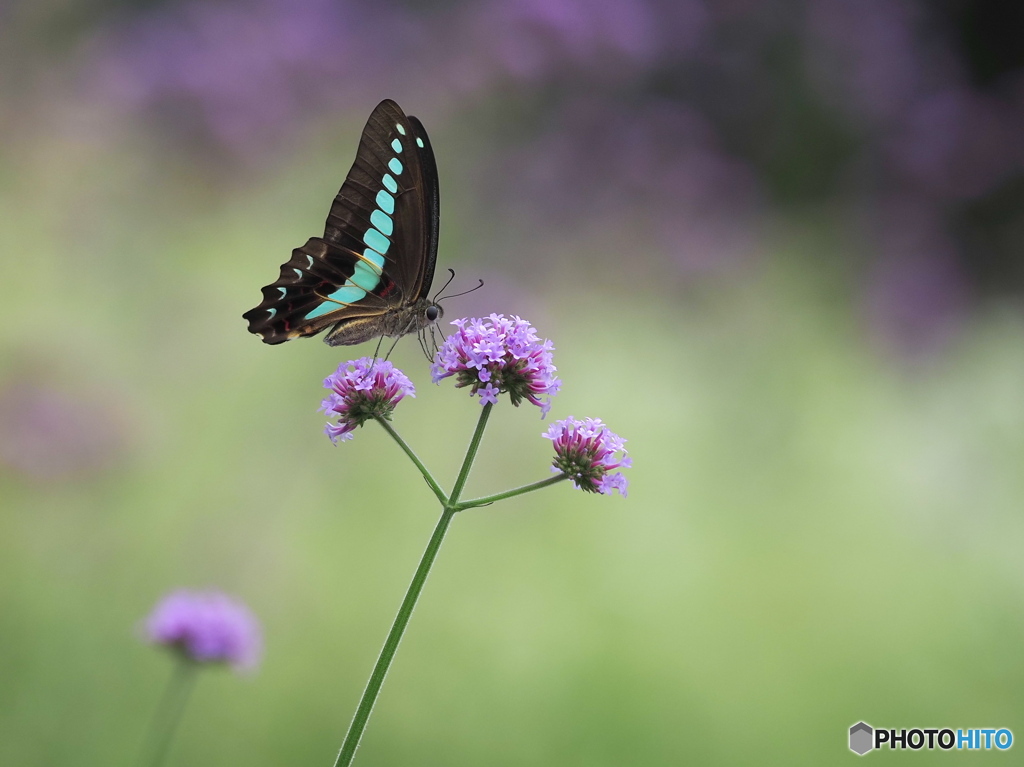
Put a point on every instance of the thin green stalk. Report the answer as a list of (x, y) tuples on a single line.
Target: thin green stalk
[(415, 459), (474, 447), (510, 493), (168, 712), (387, 653)]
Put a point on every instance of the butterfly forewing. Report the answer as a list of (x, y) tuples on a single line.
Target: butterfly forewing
[(376, 257)]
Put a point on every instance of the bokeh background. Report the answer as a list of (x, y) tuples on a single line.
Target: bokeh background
[(778, 248)]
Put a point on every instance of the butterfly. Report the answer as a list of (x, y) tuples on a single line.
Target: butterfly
[(370, 273)]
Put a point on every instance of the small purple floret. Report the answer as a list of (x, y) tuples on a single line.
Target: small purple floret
[(206, 627), (360, 390), (499, 354), (585, 451)]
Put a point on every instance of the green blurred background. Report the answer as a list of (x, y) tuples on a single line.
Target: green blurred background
[(777, 247)]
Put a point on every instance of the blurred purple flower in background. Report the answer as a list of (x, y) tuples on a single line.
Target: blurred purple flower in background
[(47, 434), (654, 177), (206, 627), (916, 295), (669, 132), (360, 390), (248, 71), (588, 452), (892, 66), (955, 144), (498, 355), (542, 39), (863, 56)]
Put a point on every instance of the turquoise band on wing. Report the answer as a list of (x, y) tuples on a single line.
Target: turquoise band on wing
[(367, 273), (365, 278), (371, 269), (383, 222), (385, 202), (377, 241)]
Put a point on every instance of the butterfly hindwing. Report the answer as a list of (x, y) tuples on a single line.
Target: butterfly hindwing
[(375, 261)]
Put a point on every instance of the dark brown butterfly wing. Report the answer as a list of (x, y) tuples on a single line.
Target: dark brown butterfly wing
[(376, 257)]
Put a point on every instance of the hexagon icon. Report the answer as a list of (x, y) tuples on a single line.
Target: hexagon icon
[(861, 738)]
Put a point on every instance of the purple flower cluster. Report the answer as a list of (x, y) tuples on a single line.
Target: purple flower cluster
[(499, 354), (206, 627), (360, 390), (585, 451)]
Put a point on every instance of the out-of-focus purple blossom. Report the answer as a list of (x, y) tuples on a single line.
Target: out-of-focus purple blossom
[(710, 211), (916, 295), (497, 355), (588, 452), (865, 57), (360, 390), (882, 64), (248, 70), (543, 38), (655, 176), (957, 144), (646, 127), (206, 627), (47, 434)]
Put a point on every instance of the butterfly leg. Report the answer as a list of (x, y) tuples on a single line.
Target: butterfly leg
[(422, 338), (407, 328), (393, 345), (433, 337)]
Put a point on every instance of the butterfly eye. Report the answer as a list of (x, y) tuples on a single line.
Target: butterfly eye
[(432, 313)]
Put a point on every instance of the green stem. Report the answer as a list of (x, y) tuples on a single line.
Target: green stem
[(509, 493), (415, 459), (168, 712), (467, 464), (387, 654)]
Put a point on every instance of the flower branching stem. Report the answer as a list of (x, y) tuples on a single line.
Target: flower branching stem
[(487, 499), (450, 506), (493, 356), (387, 653), (467, 463), (415, 459)]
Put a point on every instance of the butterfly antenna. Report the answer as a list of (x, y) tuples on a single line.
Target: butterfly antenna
[(456, 295), (437, 295)]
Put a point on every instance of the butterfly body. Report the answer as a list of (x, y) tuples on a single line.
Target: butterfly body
[(370, 273), (395, 323)]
